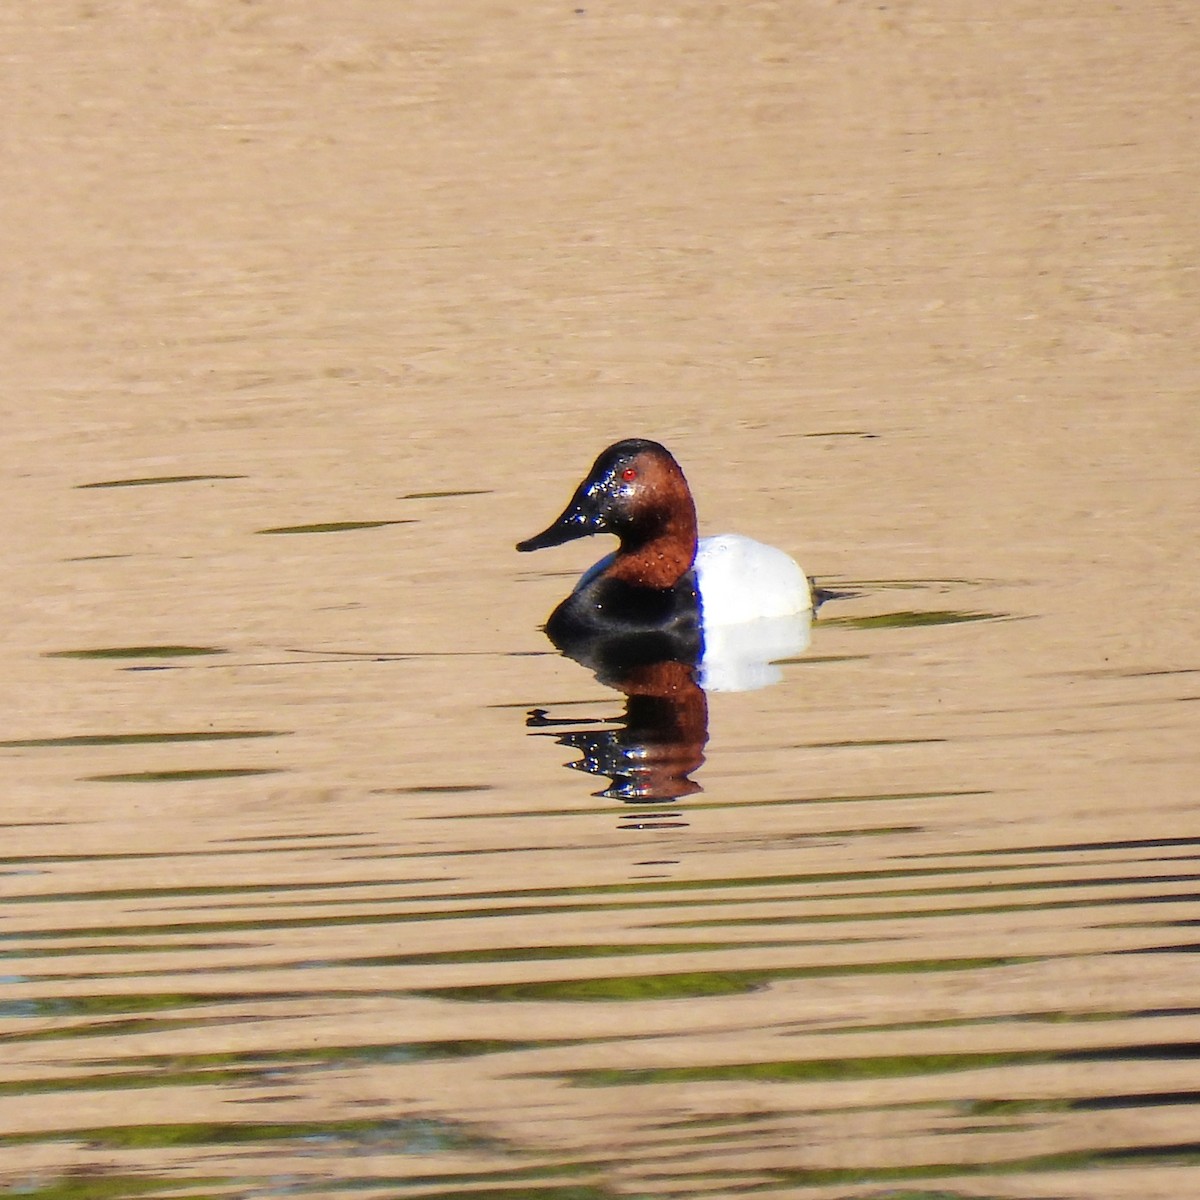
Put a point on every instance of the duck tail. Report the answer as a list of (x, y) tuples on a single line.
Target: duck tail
[(822, 594)]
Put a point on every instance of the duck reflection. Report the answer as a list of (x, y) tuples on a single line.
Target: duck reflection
[(659, 740)]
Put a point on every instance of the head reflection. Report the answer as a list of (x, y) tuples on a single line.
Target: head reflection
[(659, 741)]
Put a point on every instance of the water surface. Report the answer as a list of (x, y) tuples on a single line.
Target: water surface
[(298, 897)]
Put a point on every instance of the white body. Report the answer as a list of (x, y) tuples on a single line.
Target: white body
[(740, 580)]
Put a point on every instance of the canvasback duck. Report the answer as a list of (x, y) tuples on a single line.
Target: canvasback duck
[(661, 580)]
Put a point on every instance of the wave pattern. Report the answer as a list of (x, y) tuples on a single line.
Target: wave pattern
[(445, 1012)]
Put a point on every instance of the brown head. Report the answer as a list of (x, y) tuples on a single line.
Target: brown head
[(636, 491)]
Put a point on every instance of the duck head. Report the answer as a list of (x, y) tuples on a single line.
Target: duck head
[(636, 491)]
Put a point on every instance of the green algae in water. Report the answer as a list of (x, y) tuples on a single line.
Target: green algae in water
[(555, 953), (332, 526), (151, 480), (443, 495), (914, 619), (696, 984), (140, 739), (823, 1070), (1074, 1160), (182, 776), (136, 652), (77, 1186), (394, 1136)]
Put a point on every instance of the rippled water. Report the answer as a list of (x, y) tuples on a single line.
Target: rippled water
[(313, 877)]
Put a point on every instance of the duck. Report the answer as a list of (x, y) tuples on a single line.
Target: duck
[(663, 584)]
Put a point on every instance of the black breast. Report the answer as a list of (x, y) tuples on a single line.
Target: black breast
[(615, 621)]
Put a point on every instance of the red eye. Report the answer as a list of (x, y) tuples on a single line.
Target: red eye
[(629, 474)]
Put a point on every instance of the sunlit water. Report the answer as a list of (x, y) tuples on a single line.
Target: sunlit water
[(323, 874)]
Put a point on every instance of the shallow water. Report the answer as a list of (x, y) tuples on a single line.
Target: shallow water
[(314, 312)]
